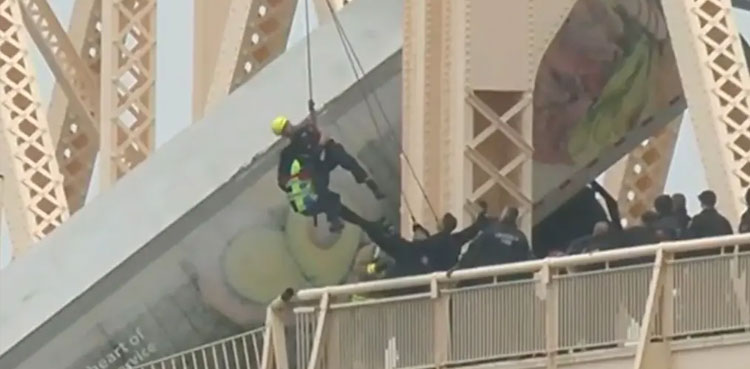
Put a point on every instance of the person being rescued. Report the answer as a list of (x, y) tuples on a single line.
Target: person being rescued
[(436, 252), (305, 167)]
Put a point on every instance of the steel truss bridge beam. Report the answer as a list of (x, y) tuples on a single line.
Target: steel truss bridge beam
[(35, 202)]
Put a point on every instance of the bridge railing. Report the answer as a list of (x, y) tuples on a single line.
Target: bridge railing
[(543, 308), (242, 351)]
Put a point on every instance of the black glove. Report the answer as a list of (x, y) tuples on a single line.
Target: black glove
[(287, 294), (380, 266), (451, 270), (284, 187)]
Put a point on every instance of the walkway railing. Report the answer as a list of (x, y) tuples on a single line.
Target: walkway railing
[(242, 351), (540, 308)]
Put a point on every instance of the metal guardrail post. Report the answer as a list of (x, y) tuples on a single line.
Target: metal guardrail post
[(441, 321), (655, 291), (547, 291), (274, 344), (739, 281), (666, 311), (320, 333), (333, 353)]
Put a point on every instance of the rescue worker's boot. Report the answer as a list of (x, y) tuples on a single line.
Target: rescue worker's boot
[(374, 188)]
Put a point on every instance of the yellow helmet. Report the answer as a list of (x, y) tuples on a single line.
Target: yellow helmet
[(278, 124)]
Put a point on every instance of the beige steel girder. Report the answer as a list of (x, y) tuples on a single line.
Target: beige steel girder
[(77, 141), (210, 19), (467, 122), (256, 32), (127, 86), (35, 203), (76, 81), (638, 178), (421, 61), (715, 78)]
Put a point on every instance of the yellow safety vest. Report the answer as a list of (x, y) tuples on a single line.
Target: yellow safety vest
[(301, 192), (370, 269)]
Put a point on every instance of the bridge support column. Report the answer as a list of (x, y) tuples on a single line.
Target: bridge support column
[(714, 77), (467, 130)]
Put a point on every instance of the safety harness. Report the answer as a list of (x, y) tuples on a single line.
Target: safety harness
[(301, 193)]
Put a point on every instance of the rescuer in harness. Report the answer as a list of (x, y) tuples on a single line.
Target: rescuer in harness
[(305, 167), (306, 140)]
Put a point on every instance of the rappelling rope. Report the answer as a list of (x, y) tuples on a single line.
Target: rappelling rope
[(311, 101), (371, 113), (355, 63), (358, 70)]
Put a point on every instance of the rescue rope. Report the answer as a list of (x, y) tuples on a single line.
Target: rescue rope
[(311, 102), (359, 72), (373, 120)]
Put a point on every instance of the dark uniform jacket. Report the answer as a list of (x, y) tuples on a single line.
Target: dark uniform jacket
[(443, 248), (303, 147), (709, 223), (744, 226), (499, 243), (671, 225), (438, 252)]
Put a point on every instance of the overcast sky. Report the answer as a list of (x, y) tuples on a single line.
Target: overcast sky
[(174, 81)]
